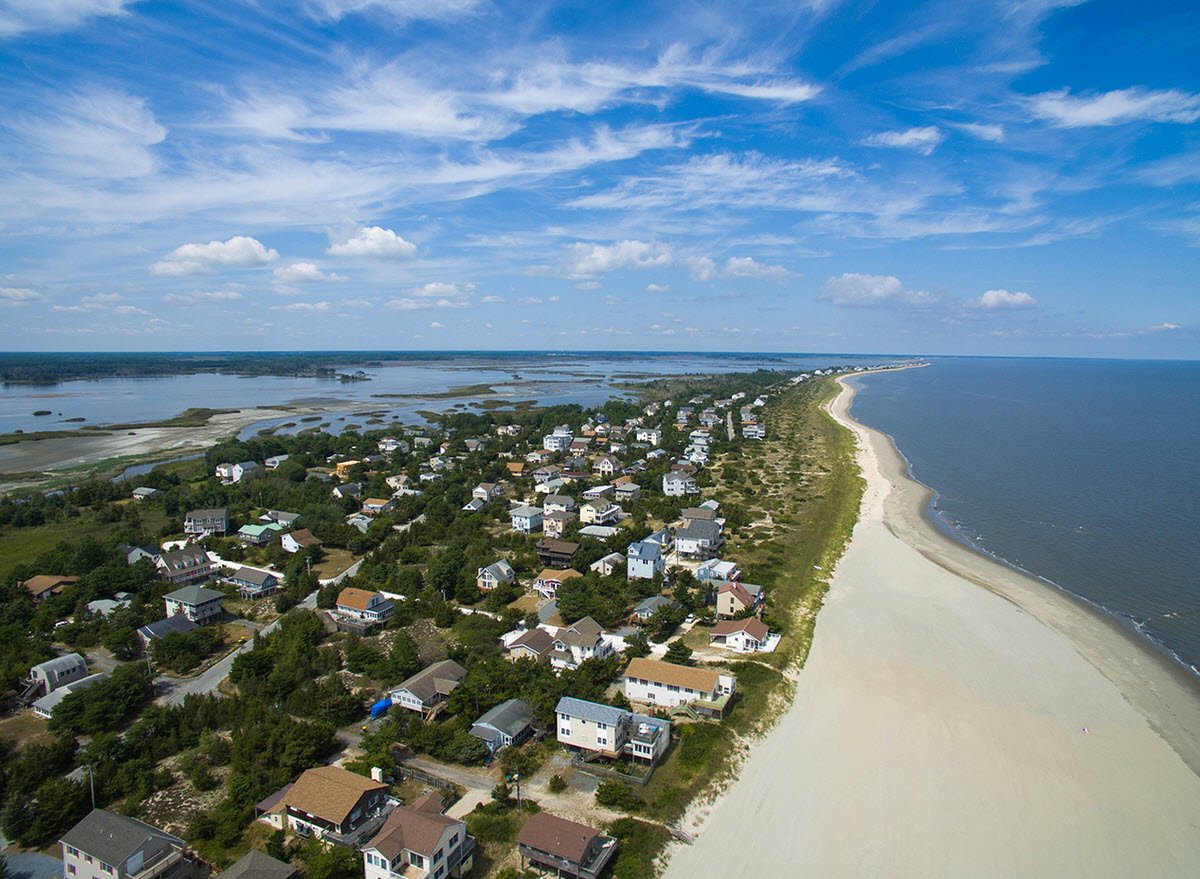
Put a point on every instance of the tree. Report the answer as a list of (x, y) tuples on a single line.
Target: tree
[(636, 645), (679, 653)]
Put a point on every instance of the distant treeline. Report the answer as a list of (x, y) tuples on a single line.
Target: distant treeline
[(51, 368)]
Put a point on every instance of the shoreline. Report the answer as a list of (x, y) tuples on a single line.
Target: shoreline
[(941, 729), (1151, 679)]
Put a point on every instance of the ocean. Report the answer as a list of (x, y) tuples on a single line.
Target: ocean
[(1085, 473)]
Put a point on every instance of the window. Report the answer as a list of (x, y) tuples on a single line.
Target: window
[(437, 856), (416, 860), (454, 842), (70, 869), (565, 731)]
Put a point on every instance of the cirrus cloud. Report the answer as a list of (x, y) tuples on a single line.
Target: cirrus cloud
[(924, 139), (1117, 107)]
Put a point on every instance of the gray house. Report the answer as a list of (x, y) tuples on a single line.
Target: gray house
[(48, 676), (506, 724), (108, 846)]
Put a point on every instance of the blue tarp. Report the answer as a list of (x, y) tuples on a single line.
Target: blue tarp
[(381, 707)]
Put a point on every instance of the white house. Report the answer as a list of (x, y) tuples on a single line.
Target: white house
[(487, 491), (749, 635), (611, 732), (583, 639), (599, 512), (104, 845), (419, 842), (679, 485), (667, 685), (526, 519), (48, 676), (651, 435), (558, 441), (558, 503), (363, 606), (644, 559), (429, 687)]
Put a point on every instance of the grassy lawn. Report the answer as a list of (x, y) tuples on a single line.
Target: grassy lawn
[(22, 545), (336, 561), (23, 729)]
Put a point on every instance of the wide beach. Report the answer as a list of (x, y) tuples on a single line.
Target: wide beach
[(957, 718)]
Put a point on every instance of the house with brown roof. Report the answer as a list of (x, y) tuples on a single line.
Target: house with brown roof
[(428, 688), (735, 599), (298, 541), (665, 684), (556, 553), (361, 606), (549, 581), (535, 644), (419, 842), (743, 636), (43, 586), (516, 469), (329, 803), (564, 847)]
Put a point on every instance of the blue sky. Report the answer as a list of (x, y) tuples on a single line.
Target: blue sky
[(971, 177)]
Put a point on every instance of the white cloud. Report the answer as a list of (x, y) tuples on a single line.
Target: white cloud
[(1003, 299), (227, 295), (748, 267), (436, 325), (401, 10), (436, 294), (195, 259), (1165, 327), (129, 309), (701, 268), (588, 285), (18, 295), (375, 241), (980, 131), (924, 140), (488, 300), (19, 16), (871, 290), (304, 272), (657, 288), (1065, 110), (305, 307), (587, 260), (95, 133)]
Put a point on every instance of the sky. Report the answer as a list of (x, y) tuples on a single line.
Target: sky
[(1012, 177)]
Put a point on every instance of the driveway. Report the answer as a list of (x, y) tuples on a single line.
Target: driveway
[(474, 779)]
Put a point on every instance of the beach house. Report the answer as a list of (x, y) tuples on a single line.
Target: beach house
[(526, 519), (428, 688), (363, 607), (104, 845), (197, 604), (550, 580), (582, 640), (187, 565), (610, 732), (558, 847), (202, 523), (644, 560), (508, 723), (496, 574), (419, 842), (679, 485), (331, 804), (667, 685), (748, 635)]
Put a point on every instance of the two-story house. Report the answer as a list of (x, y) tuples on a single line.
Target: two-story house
[(558, 847), (583, 639), (187, 565), (363, 606), (419, 842), (735, 599), (536, 644), (679, 485), (487, 491), (599, 512), (331, 804), (199, 523), (526, 519), (558, 503), (667, 685), (611, 732), (698, 539), (559, 440), (556, 524), (643, 560), (495, 574), (48, 676), (197, 603), (556, 553), (105, 845)]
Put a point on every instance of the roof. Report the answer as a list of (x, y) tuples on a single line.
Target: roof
[(252, 575), (557, 836), (525, 511), (330, 792), (269, 804), (676, 477), (701, 679), (647, 606), (646, 550), (113, 838), (214, 513), (359, 599), (501, 570), (258, 865), (698, 529), (194, 594), (549, 544), (553, 576), (438, 679), (304, 537), (752, 626), (168, 626), (184, 557), (511, 716), (536, 639), (702, 513), (413, 829), (740, 592), (581, 633), (62, 663), (45, 582)]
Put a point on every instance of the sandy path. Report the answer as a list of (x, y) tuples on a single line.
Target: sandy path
[(938, 727)]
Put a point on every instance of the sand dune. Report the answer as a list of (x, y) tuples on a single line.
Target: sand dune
[(941, 729)]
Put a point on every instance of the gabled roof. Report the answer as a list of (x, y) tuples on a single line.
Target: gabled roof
[(645, 550), (700, 679), (698, 529), (112, 838), (214, 513), (304, 537), (412, 829), (536, 640), (180, 559), (581, 633), (62, 663), (501, 570), (258, 865), (557, 836), (752, 626), (439, 679), (511, 716), (252, 575), (549, 575), (194, 594), (740, 592), (168, 626), (593, 711), (549, 544), (46, 582), (329, 792), (359, 599)]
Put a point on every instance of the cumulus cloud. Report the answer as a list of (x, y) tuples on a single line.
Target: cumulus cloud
[(864, 291), (436, 325), (19, 16), (1065, 110), (1004, 299), (375, 241), (701, 268), (196, 259), (18, 295), (129, 310), (587, 260), (227, 295), (305, 307), (657, 288), (304, 273), (748, 267), (488, 300), (924, 140)]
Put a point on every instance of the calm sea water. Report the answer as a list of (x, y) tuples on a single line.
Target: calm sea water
[(1084, 472)]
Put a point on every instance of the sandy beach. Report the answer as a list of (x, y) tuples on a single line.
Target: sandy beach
[(956, 718)]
